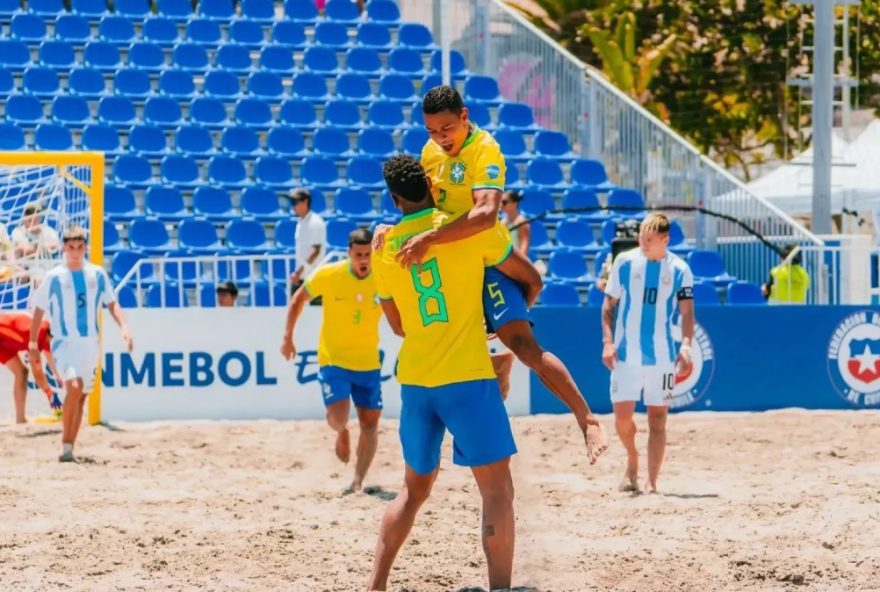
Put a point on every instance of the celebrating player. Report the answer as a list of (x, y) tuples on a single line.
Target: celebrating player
[(649, 283), (15, 330), (73, 294), (348, 347)]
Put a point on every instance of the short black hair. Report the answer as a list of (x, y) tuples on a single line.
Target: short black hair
[(440, 99), (360, 236), (405, 178), (228, 287), (301, 194), (513, 195)]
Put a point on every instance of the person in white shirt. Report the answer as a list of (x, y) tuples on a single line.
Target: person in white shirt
[(310, 238), (73, 294), (34, 239), (8, 264), (649, 284)]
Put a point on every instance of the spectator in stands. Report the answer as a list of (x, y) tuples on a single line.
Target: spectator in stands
[(227, 294), (521, 234), (320, 4), (788, 282), (310, 238), (33, 238)]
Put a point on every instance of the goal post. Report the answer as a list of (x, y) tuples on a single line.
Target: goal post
[(53, 190)]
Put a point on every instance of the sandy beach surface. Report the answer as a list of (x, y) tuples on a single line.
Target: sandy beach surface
[(774, 501)]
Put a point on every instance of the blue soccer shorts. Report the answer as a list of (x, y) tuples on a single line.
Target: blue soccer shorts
[(363, 386), (503, 300)]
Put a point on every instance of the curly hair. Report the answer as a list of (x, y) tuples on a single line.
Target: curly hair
[(405, 178), (442, 98)]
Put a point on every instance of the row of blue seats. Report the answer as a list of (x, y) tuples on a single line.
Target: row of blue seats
[(737, 293), (303, 11)]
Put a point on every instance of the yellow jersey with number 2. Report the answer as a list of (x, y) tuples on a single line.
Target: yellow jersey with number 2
[(441, 305)]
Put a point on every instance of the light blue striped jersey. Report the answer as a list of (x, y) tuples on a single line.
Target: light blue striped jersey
[(648, 294), (73, 300)]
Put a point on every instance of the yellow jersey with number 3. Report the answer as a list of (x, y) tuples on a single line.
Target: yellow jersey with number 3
[(441, 305), (349, 335)]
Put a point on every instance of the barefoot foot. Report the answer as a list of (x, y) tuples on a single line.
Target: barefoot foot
[(596, 440), (630, 482), (649, 487)]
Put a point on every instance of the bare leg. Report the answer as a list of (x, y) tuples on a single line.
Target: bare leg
[(499, 528), (656, 444), (74, 402), (626, 431), (337, 418), (397, 522), (518, 337), (368, 441), (19, 389), (502, 363)]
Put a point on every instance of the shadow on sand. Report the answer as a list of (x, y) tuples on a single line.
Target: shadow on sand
[(382, 494), (40, 433), (516, 589)]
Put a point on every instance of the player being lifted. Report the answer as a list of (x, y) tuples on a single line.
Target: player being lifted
[(15, 331), (73, 293), (467, 173), (446, 377), (348, 347), (649, 283)]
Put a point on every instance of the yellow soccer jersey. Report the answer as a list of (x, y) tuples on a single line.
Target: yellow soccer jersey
[(441, 308), (350, 323)]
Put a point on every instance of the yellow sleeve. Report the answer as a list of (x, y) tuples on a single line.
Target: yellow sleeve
[(495, 246), (378, 278), (491, 168), (317, 283)]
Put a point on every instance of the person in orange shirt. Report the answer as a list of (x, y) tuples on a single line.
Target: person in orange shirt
[(15, 328)]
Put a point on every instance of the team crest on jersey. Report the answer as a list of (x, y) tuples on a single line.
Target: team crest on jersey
[(492, 171), (456, 172), (691, 387), (854, 359)]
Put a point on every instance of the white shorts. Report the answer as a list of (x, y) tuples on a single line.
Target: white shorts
[(630, 381), (77, 358)]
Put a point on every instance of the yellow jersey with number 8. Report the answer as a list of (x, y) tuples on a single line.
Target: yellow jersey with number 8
[(440, 305)]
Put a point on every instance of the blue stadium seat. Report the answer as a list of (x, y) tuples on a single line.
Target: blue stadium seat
[(261, 203), (428, 82), (160, 30), (112, 241), (15, 55), (246, 235), (536, 201), (599, 260), (396, 87), (254, 113), (247, 33), (27, 27), (595, 296), (165, 203), (181, 269), (235, 58), (479, 114), (383, 11), (313, 87), (298, 113), (198, 234), (483, 89), (177, 84), (222, 84), (354, 87), (516, 115), (45, 7), (512, 180), (289, 35), (50, 136), (707, 266), (705, 294), (101, 55), (386, 114), (301, 11), (338, 230), (373, 35), (285, 230), (583, 198), (744, 293), (11, 136), (7, 82), (365, 171), (213, 203), (622, 201), (132, 83), (553, 144), (125, 260), (377, 143), (590, 173), (55, 54), (89, 8), (569, 267), (386, 204), (116, 29), (317, 170), (319, 204), (560, 295), (258, 10), (133, 8), (179, 170), (278, 270), (127, 296), (167, 295), (286, 141), (539, 240), (227, 171), (545, 172), (344, 11), (320, 59), (194, 140), (147, 140), (241, 141), (273, 171), (218, 10), (73, 28), (363, 60), (207, 295), (42, 82), (72, 111), (86, 82), (457, 65), (609, 230), (330, 141), (149, 234), (414, 139), (100, 138), (190, 56), (261, 295), (355, 204), (513, 145), (416, 36), (277, 59), (163, 111), (146, 56), (406, 61), (343, 114), (266, 85), (576, 235), (677, 240), (178, 10), (238, 271), (330, 34)]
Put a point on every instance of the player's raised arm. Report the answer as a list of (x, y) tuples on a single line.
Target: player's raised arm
[(521, 270)]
